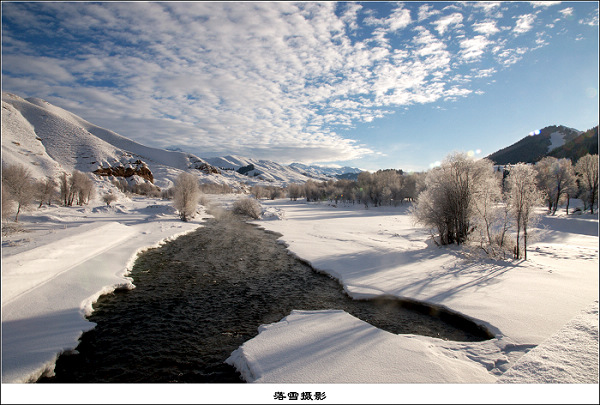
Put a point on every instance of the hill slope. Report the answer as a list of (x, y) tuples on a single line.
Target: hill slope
[(50, 140), (534, 147), (585, 143)]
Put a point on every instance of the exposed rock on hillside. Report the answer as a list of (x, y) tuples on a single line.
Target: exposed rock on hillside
[(206, 168), (138, 168)]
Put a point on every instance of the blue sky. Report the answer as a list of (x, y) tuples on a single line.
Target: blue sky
[(372, 85)]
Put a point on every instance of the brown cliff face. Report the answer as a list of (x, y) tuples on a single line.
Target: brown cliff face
[(139, 169)]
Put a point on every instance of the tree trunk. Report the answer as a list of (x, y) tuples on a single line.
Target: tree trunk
[(525, 241), (18, 210)]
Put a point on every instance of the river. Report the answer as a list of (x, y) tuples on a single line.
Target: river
[(201, 296)]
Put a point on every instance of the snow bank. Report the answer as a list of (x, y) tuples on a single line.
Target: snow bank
[(568, 356), (333, 346), (51, 279), (28, 270)]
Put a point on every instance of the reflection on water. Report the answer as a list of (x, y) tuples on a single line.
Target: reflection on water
[(201, 296)]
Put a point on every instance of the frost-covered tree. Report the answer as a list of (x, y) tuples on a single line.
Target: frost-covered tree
[(186, 194), (522, 197), (312, 191), (294, 191), (258, 192), (18, 183), (448, 201), (490, 219), (587, 172), (556, 179)]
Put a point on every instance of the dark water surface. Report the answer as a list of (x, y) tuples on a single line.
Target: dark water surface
[(200, 297)]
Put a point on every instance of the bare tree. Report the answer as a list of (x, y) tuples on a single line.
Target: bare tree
[(45, 190), (587, 172), (65, 189), (186, 194), (81, 188), (523, 197), (7, 203), (18, 183)]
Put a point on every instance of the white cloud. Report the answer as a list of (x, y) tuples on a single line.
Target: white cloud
[(508, 57), (484, 72), (443, 23), (536, 4), (592, 21), (350, 16), (487, 6), (473, 48), (398, 19), (425, 11), (524, 23), (486, 28), (566, 12), (51, 69)]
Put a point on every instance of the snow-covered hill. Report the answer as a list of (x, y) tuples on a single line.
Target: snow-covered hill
[(247, 169), (316, 170), (50, 140)]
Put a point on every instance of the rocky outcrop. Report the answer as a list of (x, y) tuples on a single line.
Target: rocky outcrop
[(137, 168), (206, 168)]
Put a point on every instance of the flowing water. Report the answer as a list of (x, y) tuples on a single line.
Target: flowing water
[(200, 297)]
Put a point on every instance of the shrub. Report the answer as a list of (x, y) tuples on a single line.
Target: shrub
[(109, 198), (249, 207), (186, 194)]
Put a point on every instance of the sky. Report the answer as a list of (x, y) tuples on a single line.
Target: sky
[(373, 85)]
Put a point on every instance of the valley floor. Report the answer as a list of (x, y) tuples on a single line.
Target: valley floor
[(543, 311)]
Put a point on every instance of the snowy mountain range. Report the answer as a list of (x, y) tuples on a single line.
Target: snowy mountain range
[(316, 171), (50, 140), (272, 172)]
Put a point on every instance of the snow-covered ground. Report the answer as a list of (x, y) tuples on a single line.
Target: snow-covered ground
[(543, 312), (59, 263), (379, 252)]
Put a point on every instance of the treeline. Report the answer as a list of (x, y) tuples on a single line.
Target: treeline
[(19, 189), (384, 187)]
